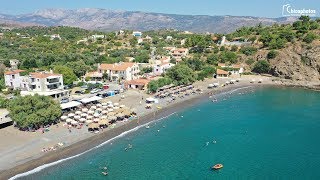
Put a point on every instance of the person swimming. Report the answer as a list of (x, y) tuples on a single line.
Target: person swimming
[(214, 142), (207, 143)]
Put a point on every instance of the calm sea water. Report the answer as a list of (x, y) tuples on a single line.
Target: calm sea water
[(271, 133)]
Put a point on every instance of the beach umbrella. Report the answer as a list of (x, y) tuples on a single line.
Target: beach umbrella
[(99, 105), (96, 115), (112, 118), (109, 102), (110, 110), (64, 117), (104, 104), (120, 115), (103, 117), (85, 110), (104, 112), (111, 114), (122, 106), (116, 104), (96, 120), (133, 111), (93, 126), (84, 115), (77, 117), (74, 122), (82, 120), (116, 108), (71, 115), (78, 112), (89, 117), (69, 120), (110, 106), (90, 112), (93, 107), (88, 121), (99, 109), (103, 122)]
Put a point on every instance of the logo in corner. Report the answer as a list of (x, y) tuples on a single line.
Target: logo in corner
[(288, 10)]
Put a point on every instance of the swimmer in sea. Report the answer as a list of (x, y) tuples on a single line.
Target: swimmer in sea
[(207, 143)]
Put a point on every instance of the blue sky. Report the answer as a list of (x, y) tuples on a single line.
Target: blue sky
[(262, 8)]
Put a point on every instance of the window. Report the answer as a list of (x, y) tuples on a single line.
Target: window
[(38, 80), (39, 87), (12, 76)]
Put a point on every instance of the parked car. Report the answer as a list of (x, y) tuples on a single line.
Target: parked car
[(64, 100), (117, 91), (79, 92), (93, 91)]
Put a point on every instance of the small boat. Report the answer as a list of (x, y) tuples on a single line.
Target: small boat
[(147, 127), (217, 166), (105, 173)]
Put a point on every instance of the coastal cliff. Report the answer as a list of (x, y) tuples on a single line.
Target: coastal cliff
[(298, 63)]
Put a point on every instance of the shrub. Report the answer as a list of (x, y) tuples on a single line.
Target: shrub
[(261, 66), (272, 54), (249, 61), (248, 50)]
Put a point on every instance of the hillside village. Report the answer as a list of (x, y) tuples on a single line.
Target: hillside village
[(68, 63)]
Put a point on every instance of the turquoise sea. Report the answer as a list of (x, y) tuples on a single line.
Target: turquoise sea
[(268, 133)]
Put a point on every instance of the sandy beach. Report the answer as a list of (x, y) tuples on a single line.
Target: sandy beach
[(21, 151)]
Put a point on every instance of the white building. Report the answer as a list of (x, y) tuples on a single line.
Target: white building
[(117, 71), (234, 69), (159, 69), (55, 36), (42, 83), (96, 36)]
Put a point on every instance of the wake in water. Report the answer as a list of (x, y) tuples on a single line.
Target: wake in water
[(40, 168)]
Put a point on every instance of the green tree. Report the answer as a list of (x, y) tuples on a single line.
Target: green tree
[(133, 42), (153, 86), (68, 75), (248, 50), (34, 111), (213, 59), (261, 66), (105, 76), (7, 63), (181, 74), (79, 67)]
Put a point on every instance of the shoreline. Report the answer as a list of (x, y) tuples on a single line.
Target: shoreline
[(96, 140)]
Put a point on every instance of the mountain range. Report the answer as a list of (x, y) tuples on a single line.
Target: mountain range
[(111, 20)]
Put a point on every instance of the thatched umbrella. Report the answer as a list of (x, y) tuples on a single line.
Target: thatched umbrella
[(93, 126), (120, 116), (104, 117), (126, 113), (112, 118), (111, 114), (103, 122)]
